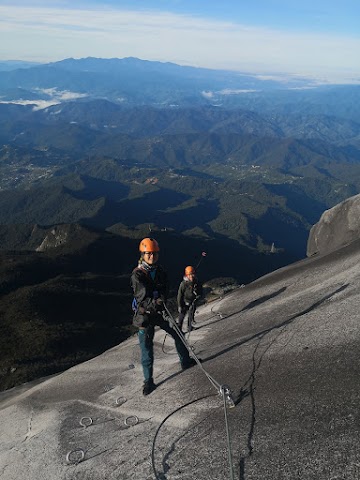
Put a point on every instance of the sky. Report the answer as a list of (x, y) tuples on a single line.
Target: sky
[(312, 38)]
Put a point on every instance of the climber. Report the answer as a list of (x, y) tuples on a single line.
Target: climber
[(190, 290), (150, 286)]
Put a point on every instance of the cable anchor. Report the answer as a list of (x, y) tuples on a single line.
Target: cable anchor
[(227, 394)]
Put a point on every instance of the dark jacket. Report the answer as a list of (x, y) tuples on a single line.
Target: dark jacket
[(146, 292), (188, 292)]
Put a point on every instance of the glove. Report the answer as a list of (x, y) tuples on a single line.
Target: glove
[(179, 309), (159, 305)]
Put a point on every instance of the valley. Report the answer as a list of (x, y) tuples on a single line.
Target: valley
[(121, 156)]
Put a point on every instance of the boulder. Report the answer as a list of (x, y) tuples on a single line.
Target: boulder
[(336, 228)]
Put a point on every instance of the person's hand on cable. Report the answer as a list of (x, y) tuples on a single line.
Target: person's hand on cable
[(159, 304)]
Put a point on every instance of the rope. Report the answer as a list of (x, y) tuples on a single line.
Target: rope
[(190, 350), (162, 423), (224, 390), (190, 328), (163, 344)]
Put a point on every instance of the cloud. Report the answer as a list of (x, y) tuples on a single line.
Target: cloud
[(207, 94), (56, 97), (38, 104), (55, 33), (226, 91), (237, 91)]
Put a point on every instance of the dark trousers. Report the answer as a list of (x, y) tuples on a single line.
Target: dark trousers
[(146, 340), (190, 311)]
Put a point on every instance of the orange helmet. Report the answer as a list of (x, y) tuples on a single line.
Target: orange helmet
[(189, 270), (149, 245)]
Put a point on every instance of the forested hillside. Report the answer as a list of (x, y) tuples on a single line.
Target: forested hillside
[(108, 152)]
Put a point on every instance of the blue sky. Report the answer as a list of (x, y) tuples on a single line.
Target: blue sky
[(302, 37)]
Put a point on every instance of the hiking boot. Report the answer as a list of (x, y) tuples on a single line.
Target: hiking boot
[(190, 363), (149, 387)]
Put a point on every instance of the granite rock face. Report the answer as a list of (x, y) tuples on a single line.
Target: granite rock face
[(287, 345), (336, 228)]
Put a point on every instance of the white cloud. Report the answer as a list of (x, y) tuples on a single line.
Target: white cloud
[(38, 104), (226, 91), (232, 91), (66, 95), (47, 34), (61, 94), (207, 94), (57, 96)]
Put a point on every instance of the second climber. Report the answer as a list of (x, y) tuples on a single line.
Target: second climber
[(190, 290)]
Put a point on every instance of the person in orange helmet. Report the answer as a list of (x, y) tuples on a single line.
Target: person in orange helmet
[(150, 285), (190, 290)]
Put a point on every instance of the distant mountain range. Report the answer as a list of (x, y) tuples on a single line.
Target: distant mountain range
[(9, 65), (133, 82)]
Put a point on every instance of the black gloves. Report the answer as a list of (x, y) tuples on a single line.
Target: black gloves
[(159, 304)]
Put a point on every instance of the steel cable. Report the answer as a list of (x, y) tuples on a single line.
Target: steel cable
[(224, 390)]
